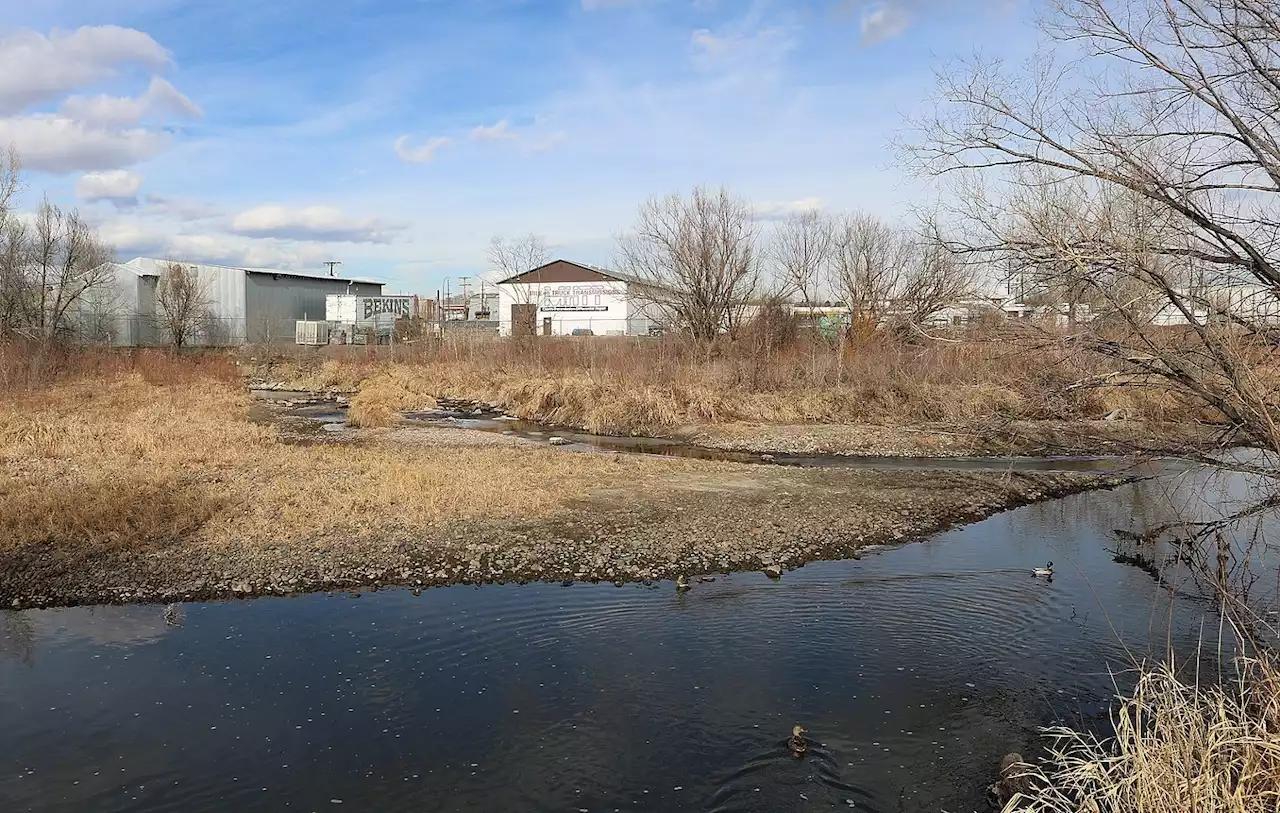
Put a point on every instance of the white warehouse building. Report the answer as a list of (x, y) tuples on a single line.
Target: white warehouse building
[(564, 298), (244, 305)]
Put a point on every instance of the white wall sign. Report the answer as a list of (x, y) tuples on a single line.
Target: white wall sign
[(576, 297)]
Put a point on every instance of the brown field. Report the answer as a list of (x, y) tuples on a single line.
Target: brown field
[(141, 476), (664, 386), (152, 448)]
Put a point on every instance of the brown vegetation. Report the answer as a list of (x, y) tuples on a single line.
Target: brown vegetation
[(1177, 746), (657, 386), (115, 449)]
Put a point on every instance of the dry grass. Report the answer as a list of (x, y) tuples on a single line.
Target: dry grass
[(1178, 748), (167, 452), (647, 386)]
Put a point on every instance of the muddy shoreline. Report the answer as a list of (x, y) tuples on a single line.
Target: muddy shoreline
[(778, 518)]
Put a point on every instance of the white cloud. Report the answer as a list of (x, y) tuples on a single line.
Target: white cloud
[(312, 223), (180, 208), (116, 185), (709, 43), (134, 237), (884, 21), (423, 154), (161, 98), (35, 68), (494, 132), (55, 143), (780, 210)]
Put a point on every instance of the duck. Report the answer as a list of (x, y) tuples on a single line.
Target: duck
[(1047, 570), (682, 583), (1013, 781), (797, 743)]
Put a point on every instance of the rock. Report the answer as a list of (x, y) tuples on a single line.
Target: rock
[(556, 440), (773, 571)]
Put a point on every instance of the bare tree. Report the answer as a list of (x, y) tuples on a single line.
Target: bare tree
[(931, 281), (182, 303), (509, 257), (10, 180), (869, 260), (1167, 141), (801, 250), (695, 260), (66, 264)]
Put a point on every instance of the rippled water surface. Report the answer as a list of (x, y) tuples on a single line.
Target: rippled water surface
[(914, 671)]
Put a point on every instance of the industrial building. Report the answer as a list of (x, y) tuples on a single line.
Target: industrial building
[(244, 305), (563, 298)]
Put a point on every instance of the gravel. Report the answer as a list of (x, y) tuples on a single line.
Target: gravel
[(773, 518)]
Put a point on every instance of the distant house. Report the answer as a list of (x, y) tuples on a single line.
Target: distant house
[(245, 305), (564, 298)]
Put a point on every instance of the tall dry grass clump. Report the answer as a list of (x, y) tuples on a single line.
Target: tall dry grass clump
[(1178, 747), (628, 385)]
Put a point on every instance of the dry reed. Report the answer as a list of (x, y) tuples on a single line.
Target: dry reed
[(653, 386), (1178, 747)]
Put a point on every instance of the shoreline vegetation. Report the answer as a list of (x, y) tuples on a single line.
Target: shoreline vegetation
[(141, 477), (985, 394)]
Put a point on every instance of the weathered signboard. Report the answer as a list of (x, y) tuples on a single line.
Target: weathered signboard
[(366, 311), (395, 306), (579, 297)]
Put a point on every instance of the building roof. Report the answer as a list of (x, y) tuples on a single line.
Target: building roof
[(535, 272), (149, 267)]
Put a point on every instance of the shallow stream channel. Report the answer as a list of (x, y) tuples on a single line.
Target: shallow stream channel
[(914, 669)]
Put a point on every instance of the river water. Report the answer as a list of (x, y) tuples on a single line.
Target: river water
[(914, 670)]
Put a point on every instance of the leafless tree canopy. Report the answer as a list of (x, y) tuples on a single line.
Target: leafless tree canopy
[(49, 269), (182, 303), (1143, 176), (695, 259), (801, 253), (515, 255), (887, 275)]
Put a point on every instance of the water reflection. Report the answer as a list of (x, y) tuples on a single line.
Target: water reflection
[(914, 671)]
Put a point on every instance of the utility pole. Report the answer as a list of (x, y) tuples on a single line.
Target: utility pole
[(332, 264)]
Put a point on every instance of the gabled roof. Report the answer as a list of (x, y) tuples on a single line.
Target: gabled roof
[(534, 274)]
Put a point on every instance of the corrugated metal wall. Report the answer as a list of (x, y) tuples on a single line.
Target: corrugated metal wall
[(274, 302)]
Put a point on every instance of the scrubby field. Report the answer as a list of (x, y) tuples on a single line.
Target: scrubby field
[(140, 476)]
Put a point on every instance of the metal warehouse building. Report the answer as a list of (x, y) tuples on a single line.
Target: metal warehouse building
[(561, 297), (246, 305)]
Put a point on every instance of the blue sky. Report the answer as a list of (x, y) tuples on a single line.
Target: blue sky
[(399, 136)]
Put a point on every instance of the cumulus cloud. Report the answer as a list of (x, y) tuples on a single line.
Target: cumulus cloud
[(425, 153), (118, 185), (312, 223), (161, 98), (55, 143), (494, 132), (35, 68), (780, 210)]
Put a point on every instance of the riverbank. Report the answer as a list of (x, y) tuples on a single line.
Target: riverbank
[(155, 485), (968, 400)]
